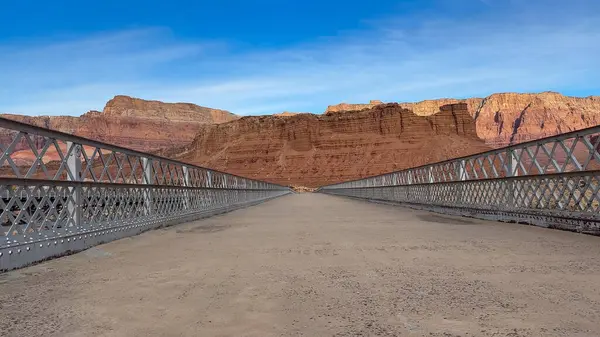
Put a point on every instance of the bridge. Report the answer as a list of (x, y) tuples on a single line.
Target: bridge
[(439, 250)]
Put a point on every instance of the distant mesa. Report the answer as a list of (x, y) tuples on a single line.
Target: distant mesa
[(125, 106), (135, 123)]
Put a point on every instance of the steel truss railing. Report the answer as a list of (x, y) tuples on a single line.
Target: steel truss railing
[(551, 182), (61, 193)]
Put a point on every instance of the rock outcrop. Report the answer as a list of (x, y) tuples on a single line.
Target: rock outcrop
[(311, 150), (135, 123), (125, 106), (352, 107), (288, 114), (510, 118)]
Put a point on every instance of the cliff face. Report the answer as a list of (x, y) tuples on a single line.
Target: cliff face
[(513, 118), (509, 118), (313, 150), (134, 123)]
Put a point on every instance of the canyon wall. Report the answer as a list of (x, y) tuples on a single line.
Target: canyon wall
[(347, 142), (312, 150), (509, 118), (131, 122)]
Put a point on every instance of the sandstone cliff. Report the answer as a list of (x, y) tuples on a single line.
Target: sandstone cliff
[(509, 118), (311, 150), (134, 123)]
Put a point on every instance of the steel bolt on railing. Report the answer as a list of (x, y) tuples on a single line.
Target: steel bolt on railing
[(550, 182), (61, 193)]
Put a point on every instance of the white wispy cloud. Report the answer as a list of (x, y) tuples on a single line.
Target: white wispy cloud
[(519, 46)]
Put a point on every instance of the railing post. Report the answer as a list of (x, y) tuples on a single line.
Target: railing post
[(147, 180), (186, 183), (513, 163), (462, 172), (226, 191), (74, 166), (430, 174), (462, 176), (513, 171), (208, 179)]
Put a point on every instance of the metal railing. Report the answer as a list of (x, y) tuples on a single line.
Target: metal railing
[(61, 193), (550, 182)]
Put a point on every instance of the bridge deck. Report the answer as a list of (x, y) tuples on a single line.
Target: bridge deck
[(316, 265)]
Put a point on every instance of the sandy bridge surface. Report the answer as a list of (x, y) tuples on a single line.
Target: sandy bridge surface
[(316, 265)]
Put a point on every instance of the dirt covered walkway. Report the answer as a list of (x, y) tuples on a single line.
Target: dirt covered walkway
[(316, 265)]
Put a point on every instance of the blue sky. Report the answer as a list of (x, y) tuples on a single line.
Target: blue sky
[(267, 56)]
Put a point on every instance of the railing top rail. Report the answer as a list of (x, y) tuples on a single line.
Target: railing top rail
[(40, 131), (560, 137)]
